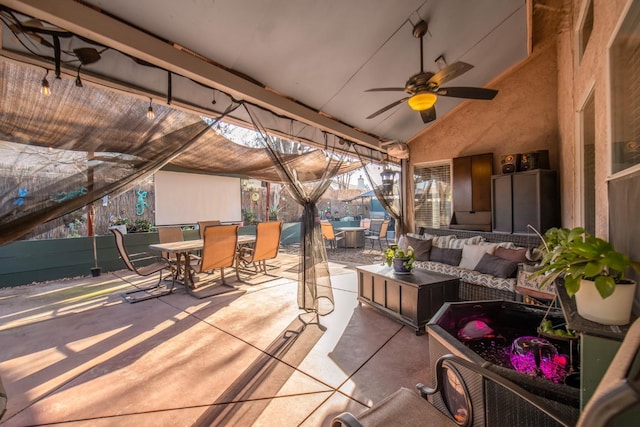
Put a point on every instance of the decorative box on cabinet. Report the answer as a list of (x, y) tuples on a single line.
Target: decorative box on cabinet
[(524, 198)]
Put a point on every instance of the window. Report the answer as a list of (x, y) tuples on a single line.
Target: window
[(432, 191), (586, 27), (588, 166), (624, 62)]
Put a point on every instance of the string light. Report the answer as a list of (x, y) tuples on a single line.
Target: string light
[(45, 89), (150, 114)]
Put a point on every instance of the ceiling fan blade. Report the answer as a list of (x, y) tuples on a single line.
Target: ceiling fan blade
[(386, 89), (467, 92), (450, 72), (428, 115), (388, 107)]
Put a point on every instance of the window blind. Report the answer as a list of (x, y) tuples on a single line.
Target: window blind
[(432, 191)]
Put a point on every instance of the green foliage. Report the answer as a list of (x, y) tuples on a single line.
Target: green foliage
[(249, 217), (393, 252), (547, 327), (140, 226), (578, 255)]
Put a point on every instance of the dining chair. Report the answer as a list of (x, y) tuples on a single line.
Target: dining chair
[(204, 224), (265, 248), (381, 235), (330, 235), (158, 265), (218, 252), (170, 234)]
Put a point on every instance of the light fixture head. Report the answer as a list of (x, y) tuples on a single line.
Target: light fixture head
[(150, 114), (422, 101), (45, 89)]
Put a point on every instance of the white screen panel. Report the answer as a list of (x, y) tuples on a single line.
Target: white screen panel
[(186, 198)]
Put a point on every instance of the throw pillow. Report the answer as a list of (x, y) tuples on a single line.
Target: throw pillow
[(471, 254), (517, 255), (445, 255), (421, 248), (440, 241), (459, 243), (496, 266)]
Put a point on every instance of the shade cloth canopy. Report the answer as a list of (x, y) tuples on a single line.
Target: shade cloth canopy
[(64, 151)]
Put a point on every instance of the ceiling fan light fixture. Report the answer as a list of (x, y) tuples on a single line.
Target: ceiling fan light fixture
[(422, 101)]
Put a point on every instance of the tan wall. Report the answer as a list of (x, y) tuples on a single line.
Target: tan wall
[(520, 119), (575, 83), (537, 108)]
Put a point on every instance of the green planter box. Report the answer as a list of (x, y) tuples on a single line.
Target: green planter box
[(29, 261)]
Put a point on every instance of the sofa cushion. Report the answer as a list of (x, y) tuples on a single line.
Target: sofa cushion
[(459, 243), (517, 255), (469, 276), (471, 255), (488, 280), (421, 248), (499, 267), (445, 255), (438, 241)]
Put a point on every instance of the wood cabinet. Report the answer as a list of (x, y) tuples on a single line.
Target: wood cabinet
[(472, 182), (524, 198)]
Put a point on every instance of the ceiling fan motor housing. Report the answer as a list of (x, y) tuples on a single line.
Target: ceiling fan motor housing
[(419, 83)]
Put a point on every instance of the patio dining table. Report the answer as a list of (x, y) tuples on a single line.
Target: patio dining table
[(182, 250)]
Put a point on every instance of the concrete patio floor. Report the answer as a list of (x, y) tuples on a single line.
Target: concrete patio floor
[(73, 353)]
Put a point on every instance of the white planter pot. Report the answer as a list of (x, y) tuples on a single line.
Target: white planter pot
[(614, 310), (122, 228)]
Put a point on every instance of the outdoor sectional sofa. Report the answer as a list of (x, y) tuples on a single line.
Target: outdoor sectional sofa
[(461, 253)]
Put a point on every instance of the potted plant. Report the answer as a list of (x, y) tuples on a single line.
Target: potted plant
[(593, 271), (119, 223), (401, 259)]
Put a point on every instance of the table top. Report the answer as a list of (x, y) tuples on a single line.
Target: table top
[(194, 245), (350, 228), (418, 276)]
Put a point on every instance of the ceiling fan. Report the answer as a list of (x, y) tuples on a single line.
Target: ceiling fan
[(424, 87)]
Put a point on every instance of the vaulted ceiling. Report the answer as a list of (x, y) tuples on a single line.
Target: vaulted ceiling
[(313, 60)]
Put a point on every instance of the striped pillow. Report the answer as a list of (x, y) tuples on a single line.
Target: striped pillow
[(438, 241), (459, 243)]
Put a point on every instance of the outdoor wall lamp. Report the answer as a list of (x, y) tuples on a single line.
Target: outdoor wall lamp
[(387, 175)]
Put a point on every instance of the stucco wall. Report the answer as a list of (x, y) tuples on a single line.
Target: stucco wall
[(522, 118), (537, 108), (576, 80)]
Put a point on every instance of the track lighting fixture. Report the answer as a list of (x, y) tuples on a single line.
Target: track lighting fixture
[(45, 89), (150, 114)]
